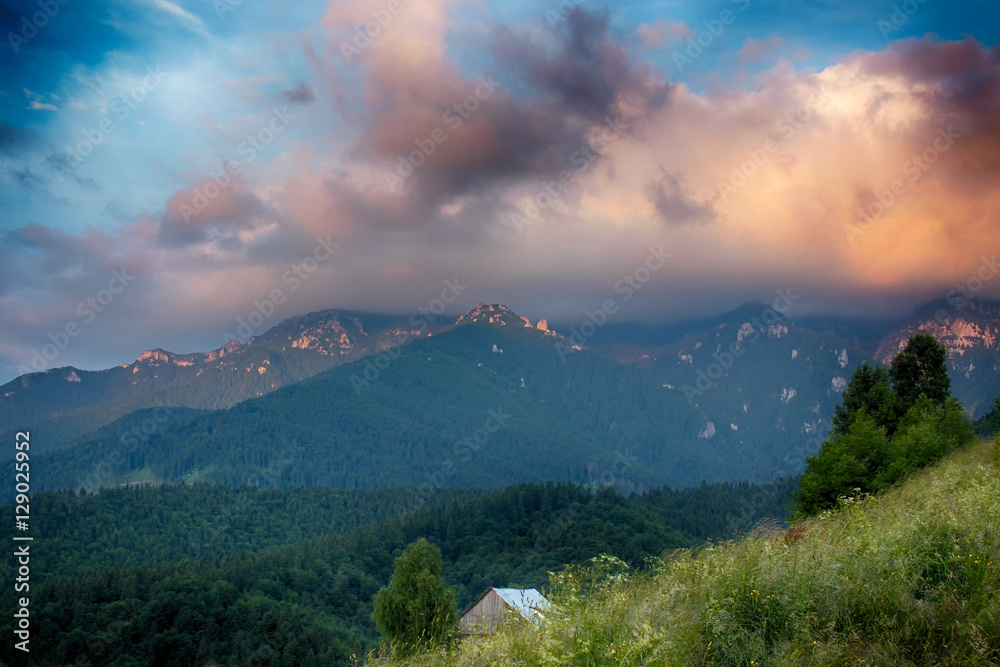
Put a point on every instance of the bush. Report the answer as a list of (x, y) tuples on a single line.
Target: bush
[(866, 461), (927, 433), (845, 465)]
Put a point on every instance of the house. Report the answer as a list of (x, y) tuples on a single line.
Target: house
[(497, 604)]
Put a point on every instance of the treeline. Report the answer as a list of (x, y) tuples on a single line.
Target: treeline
[(310, 603), (88, 532)]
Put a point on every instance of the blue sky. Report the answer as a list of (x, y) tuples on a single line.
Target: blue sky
[(161, 95)]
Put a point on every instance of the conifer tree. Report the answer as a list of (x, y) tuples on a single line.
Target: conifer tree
[(920, 368)]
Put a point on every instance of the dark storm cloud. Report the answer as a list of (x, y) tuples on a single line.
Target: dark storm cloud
[(674, 202), (967, 75), (300, 94), (524, 121), (589, 73), (961, 82)]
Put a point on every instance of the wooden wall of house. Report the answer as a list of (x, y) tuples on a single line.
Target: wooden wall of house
[(484, 616)]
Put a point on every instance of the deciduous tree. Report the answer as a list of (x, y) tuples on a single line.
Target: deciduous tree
[(416, 609)]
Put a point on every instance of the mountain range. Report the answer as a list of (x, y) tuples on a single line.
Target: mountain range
[(352, 399)]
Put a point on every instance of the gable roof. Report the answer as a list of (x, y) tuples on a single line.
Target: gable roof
[(527, 601)]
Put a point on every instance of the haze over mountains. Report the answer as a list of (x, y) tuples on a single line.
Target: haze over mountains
[(359, 400)]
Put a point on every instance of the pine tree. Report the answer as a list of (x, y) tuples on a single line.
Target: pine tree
[(870, 389), (920, 368)]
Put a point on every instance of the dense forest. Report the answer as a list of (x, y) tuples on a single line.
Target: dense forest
[(564, 420), (178, 575)]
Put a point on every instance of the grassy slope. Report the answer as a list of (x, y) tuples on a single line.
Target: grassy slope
[(909, 577)]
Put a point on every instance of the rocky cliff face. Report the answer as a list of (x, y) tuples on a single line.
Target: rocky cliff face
[(971, 335), (964, 337), (493, 314), (291, 351)]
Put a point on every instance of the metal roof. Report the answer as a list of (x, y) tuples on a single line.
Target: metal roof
[(527, 601)]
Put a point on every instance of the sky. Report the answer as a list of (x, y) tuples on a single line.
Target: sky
[(168, 168)]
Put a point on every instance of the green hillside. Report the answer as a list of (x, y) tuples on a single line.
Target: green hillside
[(65, 405), (907, 577), (537, 417)]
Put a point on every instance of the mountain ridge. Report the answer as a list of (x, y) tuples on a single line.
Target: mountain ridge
[(67, 404)]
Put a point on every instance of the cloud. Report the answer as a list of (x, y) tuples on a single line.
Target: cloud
[(187, 19), (587, 72), (37, 102), (15, 139), (210, 210), (675, 204), (798, 154), (660, 33), (300, 94), (754, 51), (491, 138)]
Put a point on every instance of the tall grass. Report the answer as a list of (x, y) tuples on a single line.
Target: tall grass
[(909, 577)]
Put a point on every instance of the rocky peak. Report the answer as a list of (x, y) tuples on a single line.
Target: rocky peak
[(493, 314), (228, 348), (155, 356), (323, 333), (971, 335)]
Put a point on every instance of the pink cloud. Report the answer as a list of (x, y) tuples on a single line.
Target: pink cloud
[(811, 148), (206, 201), (662, 33), (754, 51)]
